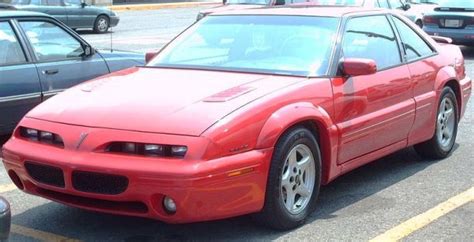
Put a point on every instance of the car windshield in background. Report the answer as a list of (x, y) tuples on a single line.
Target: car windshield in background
[(256, 2), (341, 2), (26, 2), (456, 4), (293, 45)]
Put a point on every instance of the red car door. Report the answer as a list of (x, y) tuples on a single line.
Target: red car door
[(373, 111), (423, 69)]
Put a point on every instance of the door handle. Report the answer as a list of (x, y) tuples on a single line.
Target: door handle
[(51, 72)]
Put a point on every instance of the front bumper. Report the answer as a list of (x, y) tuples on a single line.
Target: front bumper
[(202, 189), (114, 20)]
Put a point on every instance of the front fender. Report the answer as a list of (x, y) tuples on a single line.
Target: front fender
[(292, 114)]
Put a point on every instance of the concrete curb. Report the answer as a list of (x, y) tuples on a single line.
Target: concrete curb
[(141, 7)]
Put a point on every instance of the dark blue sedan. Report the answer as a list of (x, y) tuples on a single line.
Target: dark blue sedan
[(39, 57), (453, 19)]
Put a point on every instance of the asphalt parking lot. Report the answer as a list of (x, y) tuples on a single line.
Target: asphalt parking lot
[(393, 196)]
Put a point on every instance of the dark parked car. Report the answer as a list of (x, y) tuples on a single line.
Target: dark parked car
[(453, 19), (40, 56), (74, 13)]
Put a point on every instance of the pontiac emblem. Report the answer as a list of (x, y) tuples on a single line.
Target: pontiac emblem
[(82, 137)]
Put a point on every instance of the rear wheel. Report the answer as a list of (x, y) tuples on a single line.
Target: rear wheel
[(293, 181), (442, 142), (101, 24)]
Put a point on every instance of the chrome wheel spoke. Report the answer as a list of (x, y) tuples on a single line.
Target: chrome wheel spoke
[(298, 179)]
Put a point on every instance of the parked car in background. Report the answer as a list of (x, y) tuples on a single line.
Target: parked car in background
[(247, 111), (420, 7), (397, 5), (5, 6), (39, 57), (453, 19), (76, 14), (246, 4)]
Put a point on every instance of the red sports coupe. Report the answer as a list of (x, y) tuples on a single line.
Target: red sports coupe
[(245, 112)]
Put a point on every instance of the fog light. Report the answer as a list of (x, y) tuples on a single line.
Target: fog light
[(169, 204)]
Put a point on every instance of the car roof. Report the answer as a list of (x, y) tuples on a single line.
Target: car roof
[(16, 13), (304, 10)]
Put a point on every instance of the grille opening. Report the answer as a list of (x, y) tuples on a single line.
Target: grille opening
[(46, 174), (99, 183), (106, 205)]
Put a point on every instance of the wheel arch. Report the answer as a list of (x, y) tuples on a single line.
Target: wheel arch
[(455, 86), (315, 119)]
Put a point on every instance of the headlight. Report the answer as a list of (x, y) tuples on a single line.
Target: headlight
[(152, 150), (41, 136)]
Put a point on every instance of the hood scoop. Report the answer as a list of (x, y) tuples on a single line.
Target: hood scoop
[(229, 94)]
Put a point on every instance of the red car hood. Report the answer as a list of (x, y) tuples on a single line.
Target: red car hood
[(171, 101), (232, 7)]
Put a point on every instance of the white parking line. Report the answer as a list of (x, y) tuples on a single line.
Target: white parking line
[(7, 187)]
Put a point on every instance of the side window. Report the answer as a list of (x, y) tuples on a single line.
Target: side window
[(415, 46), (371, 38), (50, 42), (383, 4), (54, 3), (10, 50), (396, 4)]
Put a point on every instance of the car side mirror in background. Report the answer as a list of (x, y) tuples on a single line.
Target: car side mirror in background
[(442, 40), (149, 56), (358, 67), (406, 6), (89, 51), (83, 3), (224, 2)]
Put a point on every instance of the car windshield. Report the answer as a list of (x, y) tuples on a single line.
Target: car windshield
[(456, 3), (341, 2), (256, 2), (292, 45)]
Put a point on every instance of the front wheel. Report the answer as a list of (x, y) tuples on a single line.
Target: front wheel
[(442, 142), (101, 24), (293, 181)]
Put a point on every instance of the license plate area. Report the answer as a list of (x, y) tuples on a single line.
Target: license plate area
[(453, 23)]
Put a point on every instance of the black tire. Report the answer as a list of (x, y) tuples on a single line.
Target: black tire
[(101, 24), (274, 213), (433, 148)]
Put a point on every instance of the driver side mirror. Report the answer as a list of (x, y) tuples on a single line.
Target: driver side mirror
[(83, 3), (358, 67), (149, 56), (88, 51), (406, 6)]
